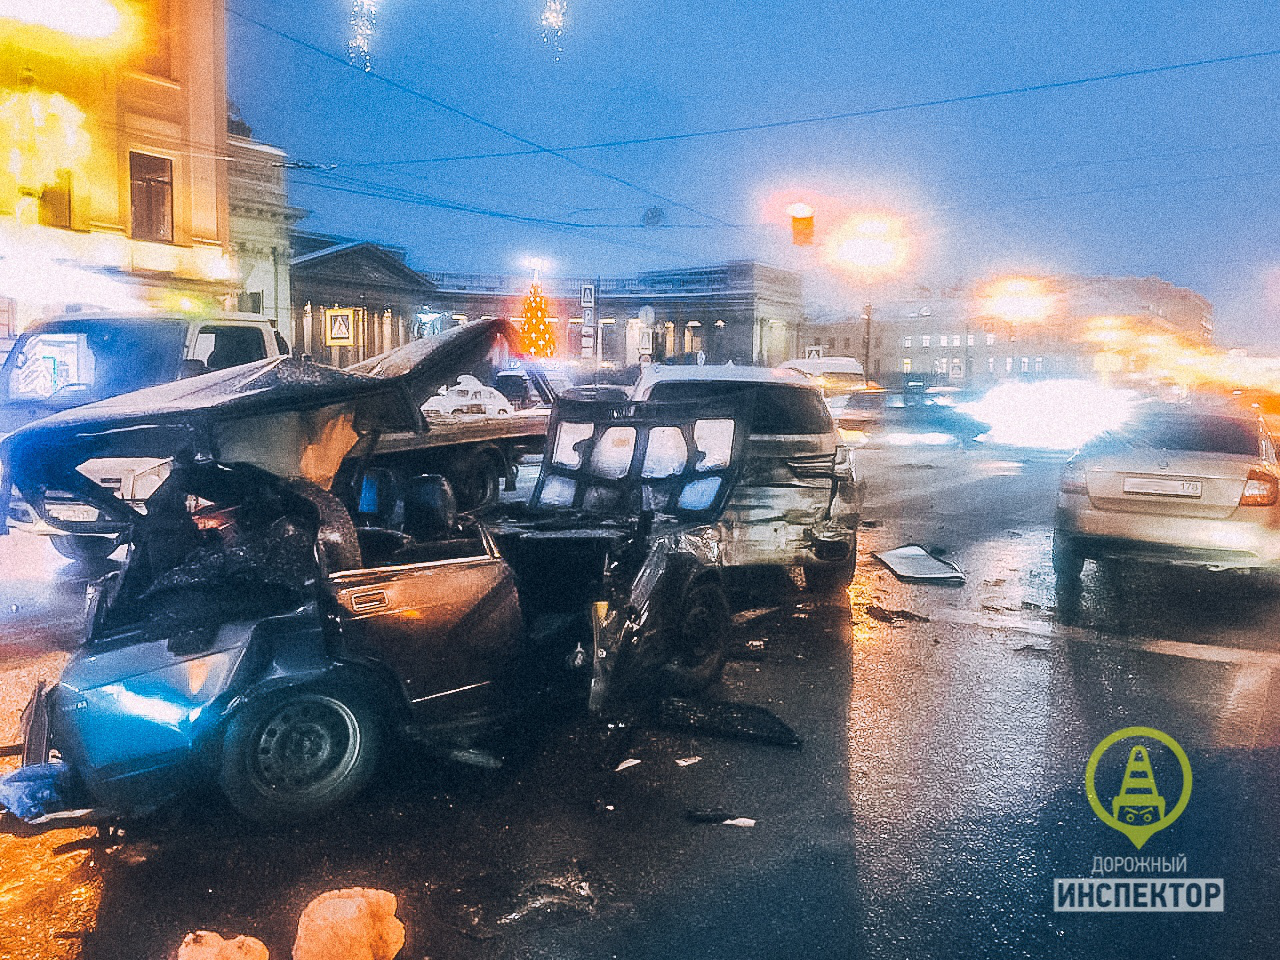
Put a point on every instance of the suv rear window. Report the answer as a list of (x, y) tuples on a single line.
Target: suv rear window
[(777, 409)]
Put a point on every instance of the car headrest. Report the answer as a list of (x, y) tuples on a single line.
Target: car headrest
[(430, 510)]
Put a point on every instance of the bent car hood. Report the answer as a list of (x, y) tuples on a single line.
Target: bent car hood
[(288, 415)]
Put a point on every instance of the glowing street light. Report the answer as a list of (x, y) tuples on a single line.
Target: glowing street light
[(88, 19), (871, 247)]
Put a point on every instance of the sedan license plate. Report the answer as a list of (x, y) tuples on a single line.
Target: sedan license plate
[(73, 513), (1162, 486)]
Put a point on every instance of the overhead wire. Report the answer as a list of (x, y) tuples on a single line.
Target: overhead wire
[(534, 146)]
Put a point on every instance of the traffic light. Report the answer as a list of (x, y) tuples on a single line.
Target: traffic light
[(801, 224)]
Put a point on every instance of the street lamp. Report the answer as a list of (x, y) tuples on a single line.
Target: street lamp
[(869, 248)]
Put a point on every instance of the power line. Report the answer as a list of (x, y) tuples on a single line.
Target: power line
[(845, 115), (387, 192), (473, 118)]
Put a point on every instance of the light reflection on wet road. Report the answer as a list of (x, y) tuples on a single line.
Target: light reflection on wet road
[(938, 793)]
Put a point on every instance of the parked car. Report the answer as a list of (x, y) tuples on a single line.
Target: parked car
[(275, 631), (76, 359), (468, 397), (799, 498), (1179, 485)]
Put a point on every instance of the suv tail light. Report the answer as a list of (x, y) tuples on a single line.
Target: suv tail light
[(1260, 490), (1073, 480)]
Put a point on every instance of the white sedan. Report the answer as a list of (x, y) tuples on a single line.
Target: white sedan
[(468, 397)]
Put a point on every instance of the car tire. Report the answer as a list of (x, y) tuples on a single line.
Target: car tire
[(697, 641), (296, 754), (84, 548), (828, 577), (1068, 562), (478, 482)]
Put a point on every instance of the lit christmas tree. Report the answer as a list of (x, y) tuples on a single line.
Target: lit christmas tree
[(539, 338)]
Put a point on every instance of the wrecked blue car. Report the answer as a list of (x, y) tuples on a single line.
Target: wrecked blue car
[(291, 610)]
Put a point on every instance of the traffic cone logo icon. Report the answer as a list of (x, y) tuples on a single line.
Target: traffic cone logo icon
[(1138, 800), (1138, 810)]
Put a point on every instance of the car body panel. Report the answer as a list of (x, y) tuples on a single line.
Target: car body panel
[(443, 628)]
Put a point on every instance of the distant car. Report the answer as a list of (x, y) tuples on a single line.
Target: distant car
[(799, 498), (79, 358), (1179, 486), (468, 397)]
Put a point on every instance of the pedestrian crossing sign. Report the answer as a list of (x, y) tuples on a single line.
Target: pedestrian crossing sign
[(339, 327)]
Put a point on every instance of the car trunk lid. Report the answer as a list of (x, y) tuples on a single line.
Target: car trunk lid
[(1169, 483)]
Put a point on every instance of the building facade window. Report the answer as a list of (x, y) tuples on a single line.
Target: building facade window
[(991, 364), (1008, 364), (1039, 364), (151, 197), (55, 202), (906, 364), (156, 55), (925, 341), (1026, 364), (955, 341), (906, 342), (991, 339), (969, 340)]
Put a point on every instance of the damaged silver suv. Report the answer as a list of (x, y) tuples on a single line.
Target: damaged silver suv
[(267, 636), (798, 500)]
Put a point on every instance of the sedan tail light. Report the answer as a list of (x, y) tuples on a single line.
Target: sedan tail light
[(1260, 490), (1073, 480)]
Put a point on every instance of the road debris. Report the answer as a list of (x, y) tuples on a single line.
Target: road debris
[(877, 612), (687, 761), (629, 762), (912, 563), (739, 822), (746, 616), (734, 721), (352, 924), (752, 650)]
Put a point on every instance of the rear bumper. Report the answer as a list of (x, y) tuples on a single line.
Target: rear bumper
[(1185, 541)]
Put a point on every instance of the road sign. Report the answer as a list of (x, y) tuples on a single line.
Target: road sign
[(340, 327), (813, 353), (588, 294)]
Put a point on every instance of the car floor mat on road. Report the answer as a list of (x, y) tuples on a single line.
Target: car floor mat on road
[(723, 718), (912, 563)]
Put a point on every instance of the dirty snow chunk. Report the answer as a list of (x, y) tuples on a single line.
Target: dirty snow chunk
[(351, 924), (629, 762), (740, 822), (687, 761), (206, 945)]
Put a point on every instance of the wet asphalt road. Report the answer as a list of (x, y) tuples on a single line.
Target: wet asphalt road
[(938, 792)]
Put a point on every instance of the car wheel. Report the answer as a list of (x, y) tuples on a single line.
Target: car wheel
[(828, 577), (1068, 563), (85, 548), (698, 639), (296, 754)]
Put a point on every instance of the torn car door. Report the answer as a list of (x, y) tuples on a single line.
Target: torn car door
[(444, 628)]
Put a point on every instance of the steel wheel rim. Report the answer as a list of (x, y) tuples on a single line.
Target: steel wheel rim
[(306, 747), (700, 631)]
